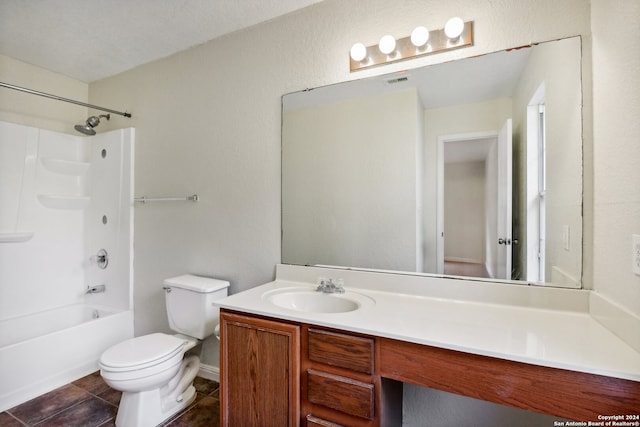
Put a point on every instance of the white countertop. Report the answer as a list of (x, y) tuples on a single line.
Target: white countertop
[(555, 338)]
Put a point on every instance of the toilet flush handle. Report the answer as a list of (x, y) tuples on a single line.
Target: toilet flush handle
[(167, 289)]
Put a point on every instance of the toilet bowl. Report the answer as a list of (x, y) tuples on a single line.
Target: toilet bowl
[(142, 363), (156, 382)]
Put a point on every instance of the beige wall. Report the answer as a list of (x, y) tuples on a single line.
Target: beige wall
[(30, 110), (616, 153)]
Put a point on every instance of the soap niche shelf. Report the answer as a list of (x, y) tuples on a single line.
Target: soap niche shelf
[(65, 167), (57, 201), (16, 236)]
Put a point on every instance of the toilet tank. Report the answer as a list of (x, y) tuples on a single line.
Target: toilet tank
[(189, 301)]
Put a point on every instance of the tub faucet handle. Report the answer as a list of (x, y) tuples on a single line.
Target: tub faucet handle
[(101, 258)]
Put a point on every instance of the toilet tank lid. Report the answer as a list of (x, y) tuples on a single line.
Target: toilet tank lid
[(196, 283)]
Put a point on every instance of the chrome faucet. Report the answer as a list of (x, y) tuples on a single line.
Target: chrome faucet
[(96, 289), (328, 286)]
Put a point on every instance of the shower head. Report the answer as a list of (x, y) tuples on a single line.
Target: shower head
[(91, 122)]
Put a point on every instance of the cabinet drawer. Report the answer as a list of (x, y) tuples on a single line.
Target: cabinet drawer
[(342, 350), (340, 393)]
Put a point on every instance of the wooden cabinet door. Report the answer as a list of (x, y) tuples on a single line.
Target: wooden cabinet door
[(260, 372)]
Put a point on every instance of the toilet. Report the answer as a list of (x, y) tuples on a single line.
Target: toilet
[(155, 378)]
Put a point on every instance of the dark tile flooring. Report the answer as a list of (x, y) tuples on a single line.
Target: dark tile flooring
[(89, 402)]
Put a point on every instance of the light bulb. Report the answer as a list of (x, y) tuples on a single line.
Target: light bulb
[(387, 44), (358, 52), (453, 28), (419, 36)]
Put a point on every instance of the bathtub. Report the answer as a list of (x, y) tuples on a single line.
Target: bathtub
[(46, 350)]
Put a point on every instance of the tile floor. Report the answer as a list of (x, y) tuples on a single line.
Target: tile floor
[(89, 402)]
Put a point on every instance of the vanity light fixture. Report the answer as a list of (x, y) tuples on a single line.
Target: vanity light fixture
[(453, 28), (455, 35), (358, 52), (387, 45), (420, 37)]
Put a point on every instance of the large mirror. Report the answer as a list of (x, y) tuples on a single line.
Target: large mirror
[(467, 168)]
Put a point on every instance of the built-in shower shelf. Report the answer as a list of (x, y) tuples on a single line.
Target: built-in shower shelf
[(66, 167), (56, 201), (15, 236)]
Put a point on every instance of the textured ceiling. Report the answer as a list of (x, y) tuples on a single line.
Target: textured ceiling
[(92, 39)]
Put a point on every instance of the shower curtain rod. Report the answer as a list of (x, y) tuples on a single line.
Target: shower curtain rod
[(59, 98)]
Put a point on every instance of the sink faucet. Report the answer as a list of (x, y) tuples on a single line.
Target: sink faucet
[(95, 289), (328, 286)]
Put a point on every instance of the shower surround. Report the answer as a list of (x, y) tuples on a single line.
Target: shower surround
[(63, 198)]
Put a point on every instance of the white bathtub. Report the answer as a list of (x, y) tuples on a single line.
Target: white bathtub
[(43, 351)]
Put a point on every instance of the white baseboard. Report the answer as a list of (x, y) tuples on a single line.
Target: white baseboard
[(209, 372), (465, 260)]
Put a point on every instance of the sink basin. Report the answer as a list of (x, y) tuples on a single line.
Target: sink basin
[(311, 301)]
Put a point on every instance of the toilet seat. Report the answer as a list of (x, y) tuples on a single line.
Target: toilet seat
[(153, 374), (142, 352)]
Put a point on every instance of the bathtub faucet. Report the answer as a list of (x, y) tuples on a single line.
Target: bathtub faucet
[(95, 289)]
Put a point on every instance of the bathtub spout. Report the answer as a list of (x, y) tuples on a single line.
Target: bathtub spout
[(95, 289)]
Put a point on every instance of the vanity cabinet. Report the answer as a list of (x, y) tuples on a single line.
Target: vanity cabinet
[(260, 378), (286, 373)]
